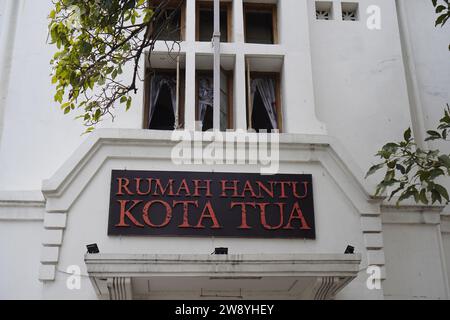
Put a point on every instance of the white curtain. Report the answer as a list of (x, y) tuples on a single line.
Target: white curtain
[(266, 88), (156, 84), (205, 96)]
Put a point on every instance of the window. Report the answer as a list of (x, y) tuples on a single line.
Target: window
[(263, 94), (169, 21), (205, 99), (164, 100), (324, 10), (260, 23), (349, 11), (205, 21)]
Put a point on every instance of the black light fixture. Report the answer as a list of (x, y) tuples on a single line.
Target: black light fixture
[(92, 248), (221, 251), (350, 250)]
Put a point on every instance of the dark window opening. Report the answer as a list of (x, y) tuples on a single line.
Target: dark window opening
[(260, 118), (264, 101), (260, 23), (163, 117), (168, 25), (205, 23), (208, 123)]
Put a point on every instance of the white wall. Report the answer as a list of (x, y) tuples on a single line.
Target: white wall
[(446, 248), (359, 80), (2, 9), (413, 262), (429, 46), (20, 248)]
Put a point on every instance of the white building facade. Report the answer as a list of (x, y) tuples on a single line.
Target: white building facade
[(347, 76)]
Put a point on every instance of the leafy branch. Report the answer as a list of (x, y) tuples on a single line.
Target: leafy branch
[(95, 41), (412, 172), (442, 9)]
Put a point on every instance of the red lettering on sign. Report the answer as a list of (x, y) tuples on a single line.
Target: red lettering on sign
[(163, 190), (146, 214), (185, 204), (248, 189), (297, 213), (208, 213), (233, 188), (198, 187), (305, 192), (123, 185), (243, 206), (184, 187), (124, 212), (262, 188), (138, 187), (262, 208)]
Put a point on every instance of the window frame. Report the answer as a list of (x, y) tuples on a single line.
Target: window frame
[(210, 5), (262, 7), (173, 5), (147, 93), (276, 76)]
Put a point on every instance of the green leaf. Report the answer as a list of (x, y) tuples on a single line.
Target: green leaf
[(445, 159), (407, 135), (442, 191), (374, 169)]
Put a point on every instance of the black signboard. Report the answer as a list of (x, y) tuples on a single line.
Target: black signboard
[(205, 204)]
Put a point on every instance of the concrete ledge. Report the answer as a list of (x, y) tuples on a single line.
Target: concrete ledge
[(313, 276), (22, 206), (127, 265)]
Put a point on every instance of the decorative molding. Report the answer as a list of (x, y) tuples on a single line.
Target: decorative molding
[(54, 225), (22, 206), (111, 274), (327, 287), (119, 288), (404, 216)]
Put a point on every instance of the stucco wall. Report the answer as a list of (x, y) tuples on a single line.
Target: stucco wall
[(351, 78), (415, 264), (19, 266)]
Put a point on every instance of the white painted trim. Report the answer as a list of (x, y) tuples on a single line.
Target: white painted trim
[(410, 217), (22, 206), (415, 100), (111, 273)]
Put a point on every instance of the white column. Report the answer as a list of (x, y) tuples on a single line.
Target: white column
[(216, 47), (189, 113), (297, 96), (415, 99), (238, 21), (240, 98)]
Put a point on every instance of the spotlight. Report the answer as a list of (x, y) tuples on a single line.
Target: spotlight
[(221, 251), (92, 248), (350, 250)]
